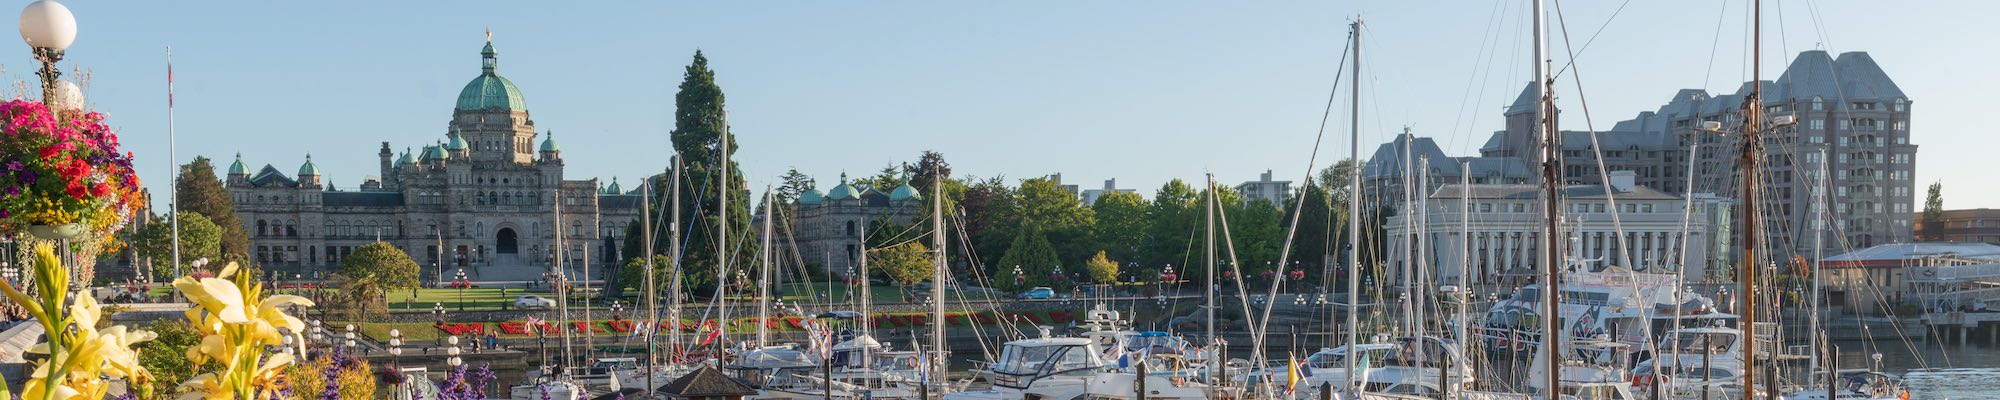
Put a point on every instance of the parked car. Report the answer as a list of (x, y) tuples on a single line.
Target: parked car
[(1038, 293), (529, 301)]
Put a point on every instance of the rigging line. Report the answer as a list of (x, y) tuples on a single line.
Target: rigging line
[(1291, 230), (1604, 175), (1714, 44), (1486, 45), (1593, 35)]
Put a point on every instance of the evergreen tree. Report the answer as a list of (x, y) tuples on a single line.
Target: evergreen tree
[(1033, 254), (930, 167), (1934, 213), (1314, 242), (988, 203), (795, 183), (198, 191), (888, 178), (699, 125)]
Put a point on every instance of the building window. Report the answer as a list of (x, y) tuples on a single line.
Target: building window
[(1818, 104), (1818, 123), (1900, 103)]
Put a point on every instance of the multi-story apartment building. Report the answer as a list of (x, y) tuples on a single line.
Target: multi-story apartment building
[(1980, 225)]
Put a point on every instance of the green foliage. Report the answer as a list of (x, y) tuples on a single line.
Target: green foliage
[(1173, 221), (986, 204), (1033, 254), (633, 276), (308, 378), (699, 125), (199, 239), (1317, 229), (794, 184), (198, 191), (382, 264), (884, 232), (166, 356), (888, 178), (1257, 234), (930, 168), (1933, 221), (1121, 224), (1102, 269), (906, 263)]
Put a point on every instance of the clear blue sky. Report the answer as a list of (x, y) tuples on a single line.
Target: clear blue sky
[(1139, 91)]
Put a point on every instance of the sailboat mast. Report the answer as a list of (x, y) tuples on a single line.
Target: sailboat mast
[(722, 242), (1753, 118), (1819, 238), (651, 296), (764, 278), (1419, 266), (1354, 219), (561, 279), (1208, 291), (1552, 183), (674, 247), (1465, 254), (937, 357)]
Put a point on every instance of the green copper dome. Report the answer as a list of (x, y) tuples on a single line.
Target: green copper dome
[(549, 144), (490, 90), (406, 159), (614, 187), (436, 153), (309, 168), (457, 142), (811, 197), (237, 167), (843, 191), (904, 192)]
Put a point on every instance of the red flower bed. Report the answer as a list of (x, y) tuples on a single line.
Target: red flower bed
[(462, 329), (521, 328), (620, 326)]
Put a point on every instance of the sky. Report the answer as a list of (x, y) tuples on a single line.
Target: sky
[(1143, 92)]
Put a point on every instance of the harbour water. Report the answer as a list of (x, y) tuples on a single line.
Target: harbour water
[(1968, 373)]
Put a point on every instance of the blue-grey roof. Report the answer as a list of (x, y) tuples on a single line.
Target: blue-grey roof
[(1531, 192), (1388, 158), (270, 177), (361, 199), (1506, 167), (620, 201), (1852, 76), (1525, 102)]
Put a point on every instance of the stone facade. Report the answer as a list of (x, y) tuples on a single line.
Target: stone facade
[(483, 200), (831, 225)]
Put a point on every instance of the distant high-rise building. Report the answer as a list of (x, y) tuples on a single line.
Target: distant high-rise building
[(1090, 196), (1267, 189)]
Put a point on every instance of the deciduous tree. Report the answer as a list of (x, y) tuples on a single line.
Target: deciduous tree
[(1934, 213), (1102, 269), (905, 264), (200, 239), (1121, 224)]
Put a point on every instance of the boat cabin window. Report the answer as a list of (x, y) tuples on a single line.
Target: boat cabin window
[(1703, 342), (1025, 360), (1377, 358)]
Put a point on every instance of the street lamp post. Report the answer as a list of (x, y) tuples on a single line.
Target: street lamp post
[(462, 284), (350, 338), (454, 361), (49, 28), (396, 354), (438, 311), (616, 308), (319, 334)]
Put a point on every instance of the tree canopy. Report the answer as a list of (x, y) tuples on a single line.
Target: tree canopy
[(382, 264), (905, 264), (1102, 269), (200, 239), (700, 121), (1035, 257), (198, 191), (1933, 221)]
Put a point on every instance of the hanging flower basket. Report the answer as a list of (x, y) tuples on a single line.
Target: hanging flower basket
[(62, 175)]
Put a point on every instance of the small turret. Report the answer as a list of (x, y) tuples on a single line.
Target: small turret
[(239, 175), (551, 152), (309, 173)]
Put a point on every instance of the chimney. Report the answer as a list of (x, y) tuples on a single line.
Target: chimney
[(1110, 184), (1267, 175), (1622, 181)]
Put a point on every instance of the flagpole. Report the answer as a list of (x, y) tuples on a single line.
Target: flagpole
[(173, 184)]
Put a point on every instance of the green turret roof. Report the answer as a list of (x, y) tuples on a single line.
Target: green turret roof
[(407, 158), (905, 192), (811, 197), (843, 191), (549, 144), (614, 187), (436, 153), (237, 168), (490, 90), (457, 141), (309, 168)]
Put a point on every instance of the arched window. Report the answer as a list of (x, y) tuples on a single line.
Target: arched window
[(1900, 103), (1818, 104), (260, 227)]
